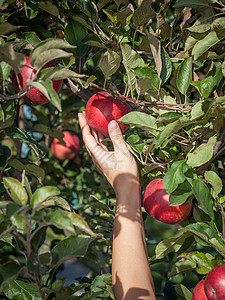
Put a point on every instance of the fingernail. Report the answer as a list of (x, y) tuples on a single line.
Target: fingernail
[(113, 124)]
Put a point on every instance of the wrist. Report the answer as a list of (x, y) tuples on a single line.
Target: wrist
[(128, 192)]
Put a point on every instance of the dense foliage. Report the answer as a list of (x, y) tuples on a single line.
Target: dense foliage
[(166, 59)]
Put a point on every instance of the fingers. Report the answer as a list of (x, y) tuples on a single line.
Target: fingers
[(88, 138), (91, 137), (117, 138)]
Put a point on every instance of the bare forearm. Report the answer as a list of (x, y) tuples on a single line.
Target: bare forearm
[(131, 274)]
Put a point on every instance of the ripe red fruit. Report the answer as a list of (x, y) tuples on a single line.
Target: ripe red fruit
[(33, 96), (215, 283), (102, 108), (199, 292), (68, 150), (156, 204)]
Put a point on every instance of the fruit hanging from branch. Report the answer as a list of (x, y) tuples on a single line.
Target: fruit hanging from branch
[(33, 96), (68, 150), (199, 292), (215, 283), (156, 203), (102, 108)]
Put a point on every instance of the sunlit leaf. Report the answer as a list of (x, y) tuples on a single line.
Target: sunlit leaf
[(42, 194), (15, 190), (184, 76)]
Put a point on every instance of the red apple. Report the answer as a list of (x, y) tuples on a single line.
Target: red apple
[(215, 283), (68, 150), (102, 108), (199, 292), (33, 96), (156, 203)]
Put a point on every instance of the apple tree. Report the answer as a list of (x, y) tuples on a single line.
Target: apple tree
[(164, 58)]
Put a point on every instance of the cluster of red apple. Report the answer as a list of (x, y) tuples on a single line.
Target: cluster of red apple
[(213, 287)]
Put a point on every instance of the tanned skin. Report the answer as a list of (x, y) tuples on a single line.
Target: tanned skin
[(131, 275)]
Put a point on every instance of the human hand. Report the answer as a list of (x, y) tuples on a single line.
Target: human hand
[(118, 166)]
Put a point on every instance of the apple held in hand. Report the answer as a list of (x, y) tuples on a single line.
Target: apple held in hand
[(68, 150), (215, 283), (199, 292), (156, 203), (33, 96), (102, 108)]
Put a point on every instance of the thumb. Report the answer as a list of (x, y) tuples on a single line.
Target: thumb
[(117, 138)]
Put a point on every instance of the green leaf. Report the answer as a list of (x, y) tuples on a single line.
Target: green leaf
[(175, 176), (109, 63), (99, 285), (4, 70), (150, 73), (168, 117), (131, 60), (15, 190), (143, 84), (7, 113), (204, 261), (18, 134), (60, 219), (193, 3), (56, 201), (75, 32), (49, 131), (203, 196), (207, 42), (14, 59), (72, 246), (30, 168), (49, 7), (124, 14), (7, 28), (49, 55), (80, 223), (214, 180), (201, 109), (32, 38), (182, 266), (156, 52), (81, 21), (200, 26), (170, 245), (48, 44), (143, 13), (183, 291), (207, 233), (37, 240), (202, 154), (166, 66), (204, 86), (21, 290), (61, 73), (216, 73), (46, 88), (139, 119), (184, 75), (41, 194), (66, 291), (8, 272), (181, 194), (19, 222), (171, 129)]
